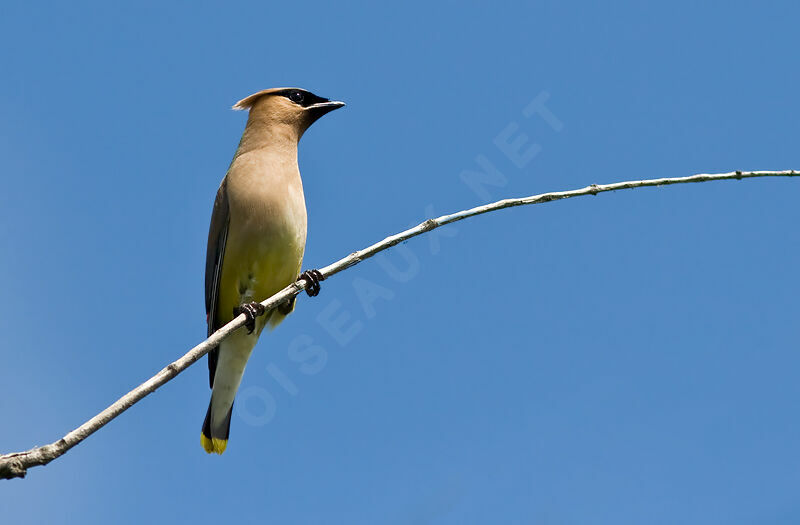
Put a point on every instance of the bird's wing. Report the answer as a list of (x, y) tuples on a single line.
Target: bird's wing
[(217, 235)]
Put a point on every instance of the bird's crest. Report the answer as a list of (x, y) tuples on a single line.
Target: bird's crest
[(249, 102)]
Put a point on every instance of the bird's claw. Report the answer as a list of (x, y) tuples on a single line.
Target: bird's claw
[(312, 278), (250, 311)]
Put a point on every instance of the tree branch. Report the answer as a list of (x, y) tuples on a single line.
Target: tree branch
[(16, 464)]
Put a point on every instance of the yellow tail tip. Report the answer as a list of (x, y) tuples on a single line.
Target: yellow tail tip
[(213, 445)]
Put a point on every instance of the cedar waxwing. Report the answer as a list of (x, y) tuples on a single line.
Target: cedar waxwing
[(256, 240)]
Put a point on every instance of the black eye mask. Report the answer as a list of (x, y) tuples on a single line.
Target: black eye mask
[(302, 98)]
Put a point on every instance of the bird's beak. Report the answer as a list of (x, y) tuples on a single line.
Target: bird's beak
[(332, 104), (320, 108)]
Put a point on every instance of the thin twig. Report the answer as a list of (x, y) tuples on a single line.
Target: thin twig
[(16, 464)]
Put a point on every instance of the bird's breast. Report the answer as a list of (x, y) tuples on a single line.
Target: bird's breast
[(267, 228), (265, 196)]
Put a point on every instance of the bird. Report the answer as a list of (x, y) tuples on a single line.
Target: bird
[(256, 240)]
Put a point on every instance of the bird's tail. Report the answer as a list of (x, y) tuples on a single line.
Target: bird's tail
[(232, 360), (214, 440)]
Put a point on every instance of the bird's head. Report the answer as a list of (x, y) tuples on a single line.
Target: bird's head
[(293, 107)]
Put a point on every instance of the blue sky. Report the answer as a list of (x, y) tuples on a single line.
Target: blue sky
[(625, 358)]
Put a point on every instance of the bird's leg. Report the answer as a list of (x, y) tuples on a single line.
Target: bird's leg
[(287, 307), (251, 311), (312, 277)]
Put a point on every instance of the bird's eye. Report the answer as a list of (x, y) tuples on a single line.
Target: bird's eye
[(296, 97)]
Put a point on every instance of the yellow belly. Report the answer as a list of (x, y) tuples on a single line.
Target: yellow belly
[(257, 264)]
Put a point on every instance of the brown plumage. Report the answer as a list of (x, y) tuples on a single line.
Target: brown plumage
[(257, 236)]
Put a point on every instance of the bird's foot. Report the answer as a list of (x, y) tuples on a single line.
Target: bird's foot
[(312, 277), (251, 311)]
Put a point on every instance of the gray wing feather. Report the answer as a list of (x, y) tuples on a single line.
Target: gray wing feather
[(217, 236)]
